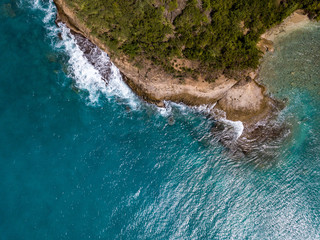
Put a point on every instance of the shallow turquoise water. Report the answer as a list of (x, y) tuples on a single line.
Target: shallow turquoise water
[(81, 160)]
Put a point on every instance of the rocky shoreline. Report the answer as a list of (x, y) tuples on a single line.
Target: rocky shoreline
[(237, 100)]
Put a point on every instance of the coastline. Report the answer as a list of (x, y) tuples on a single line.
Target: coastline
[(240, 100), (154, 85), (296, 20)]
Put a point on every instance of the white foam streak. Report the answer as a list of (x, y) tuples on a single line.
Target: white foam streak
[(48, 9), (205, 108), (183, 109), (166, 110), (87, 78), (117, 87), (237, 126)]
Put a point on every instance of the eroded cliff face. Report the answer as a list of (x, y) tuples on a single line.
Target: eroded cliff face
[(151, 83)]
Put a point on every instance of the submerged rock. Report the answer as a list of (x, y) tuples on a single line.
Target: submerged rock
[(7, 10), (265, 45), (171, 120)]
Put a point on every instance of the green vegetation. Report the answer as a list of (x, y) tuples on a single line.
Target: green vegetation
[(220, 34)]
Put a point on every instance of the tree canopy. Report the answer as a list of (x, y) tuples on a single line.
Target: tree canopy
[(220, 34)]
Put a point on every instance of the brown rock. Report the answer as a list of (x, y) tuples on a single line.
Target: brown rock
[(243, 101)]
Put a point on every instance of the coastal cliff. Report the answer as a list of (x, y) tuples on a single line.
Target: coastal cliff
[(239, 97), (236, 98)]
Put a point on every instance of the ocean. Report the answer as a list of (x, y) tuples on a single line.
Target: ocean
[(82, 159)]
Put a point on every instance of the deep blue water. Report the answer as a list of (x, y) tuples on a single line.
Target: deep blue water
[(82, 160)]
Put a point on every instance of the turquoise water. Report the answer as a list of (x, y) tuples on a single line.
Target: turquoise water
[(82, 160)]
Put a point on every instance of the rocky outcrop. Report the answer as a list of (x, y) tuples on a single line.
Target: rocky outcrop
[(265, 45), (245, 101)]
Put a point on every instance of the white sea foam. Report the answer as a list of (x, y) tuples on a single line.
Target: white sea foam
[(183, 108), (166, 110), (48, 9), (237, 126), (86, 76), (205, 108), (137, 194), (117, 87)]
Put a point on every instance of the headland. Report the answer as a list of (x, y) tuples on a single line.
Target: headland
[(237, 97)]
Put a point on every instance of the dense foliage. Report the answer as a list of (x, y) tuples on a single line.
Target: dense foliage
[(220, 34)]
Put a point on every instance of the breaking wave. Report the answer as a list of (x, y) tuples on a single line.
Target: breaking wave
[(87, 77), (98, 78)]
